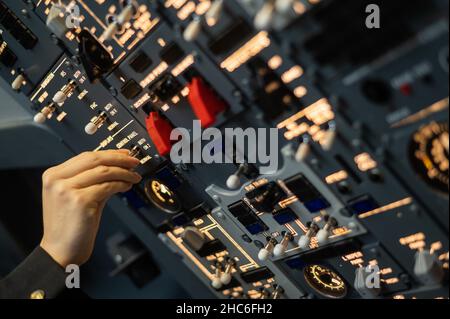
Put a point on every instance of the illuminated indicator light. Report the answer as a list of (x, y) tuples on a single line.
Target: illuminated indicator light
[(186, 11), (154, 74), (336, 177), (246, 52), (319, 112), (300, 91), (365, 162), (275, 62), (404, 241), (398, 204), (203, 7), (299, 8), (183, 65), (406, 89), (161, 42), (292, 74)]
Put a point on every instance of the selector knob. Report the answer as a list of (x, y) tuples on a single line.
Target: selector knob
[(267, 250), (280, 249), (193, 30), (428, 268), (324, 233), (18, 82), (93, 126), (305, 240), (43, 115)]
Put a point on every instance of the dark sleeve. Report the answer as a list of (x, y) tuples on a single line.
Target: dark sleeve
[(39, 275)]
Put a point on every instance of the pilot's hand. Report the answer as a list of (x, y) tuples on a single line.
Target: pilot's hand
[(74, 195)]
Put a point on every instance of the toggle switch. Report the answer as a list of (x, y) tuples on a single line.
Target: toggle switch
[(329, 137), (19, 82), (56, 20), (281, 248), (226, 276), (324, 233), (44, 114), (304, 150), (204, 102), (283, 6), (267, 250), (216, 283), (264, 17), (61, 96), (305, 240), (159, 130), (214, 13), (264, 293), (193, 29), (135, 152), (92, 127), (277, 291), (126, 14), (427, 268), (234, 181)]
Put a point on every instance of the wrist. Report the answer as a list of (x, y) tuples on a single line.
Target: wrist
[(54, 253)]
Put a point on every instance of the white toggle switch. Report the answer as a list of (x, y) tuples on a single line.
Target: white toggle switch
[(263, 18), (303, 151), (193, 30), (212, 16), (234, 181), (93, 126), (43, 115), (111, 30), (226, 276), (305, 240), (126, 15), (280, 249), (216, 283), (368, 290), (329, 137), (267, 250), (56, 20), (61, 96), (18, 82), (324, 233), (427, 268), (283, 6)]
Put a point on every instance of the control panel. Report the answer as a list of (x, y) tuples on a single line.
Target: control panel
[(352, 115)]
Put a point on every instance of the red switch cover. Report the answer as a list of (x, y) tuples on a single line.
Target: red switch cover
[(159, 130), (204, 102)]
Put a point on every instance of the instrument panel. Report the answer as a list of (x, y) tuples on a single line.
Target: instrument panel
[(356, 117)]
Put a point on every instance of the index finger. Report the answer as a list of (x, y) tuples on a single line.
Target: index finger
[(90, 160)]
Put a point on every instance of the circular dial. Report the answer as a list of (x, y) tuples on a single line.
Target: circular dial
[(429, 154), (162, 196), (325, 281)]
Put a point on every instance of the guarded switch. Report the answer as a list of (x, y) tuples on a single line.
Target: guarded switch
[(159, 130), (204, 102)]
